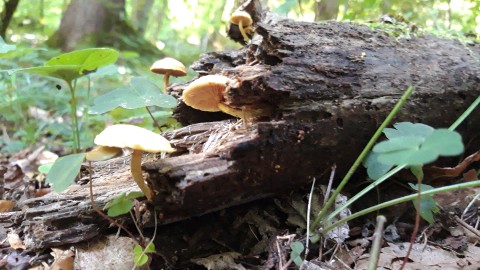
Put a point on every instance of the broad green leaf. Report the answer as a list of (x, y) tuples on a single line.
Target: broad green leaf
[(140, 255), (64, 171), (375, 169), (403, 129), (428, 205), (65, 72), (72, 65), (134, 194), (141, 93), (88, 59), (398, 143)]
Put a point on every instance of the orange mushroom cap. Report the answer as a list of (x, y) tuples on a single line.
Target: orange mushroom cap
[(169, 66), (206, 92)]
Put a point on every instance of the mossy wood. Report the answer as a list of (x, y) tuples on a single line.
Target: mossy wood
[(328, 86)]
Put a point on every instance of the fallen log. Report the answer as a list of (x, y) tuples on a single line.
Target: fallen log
[(328, 86)]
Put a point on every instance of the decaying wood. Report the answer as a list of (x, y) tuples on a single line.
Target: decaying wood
[(328, 86)]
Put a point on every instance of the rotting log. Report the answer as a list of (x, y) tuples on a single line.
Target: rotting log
[(328, 86)]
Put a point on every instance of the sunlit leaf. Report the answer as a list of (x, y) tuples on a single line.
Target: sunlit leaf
[(398, 143), (64, 171), (5, 48), (64, 72), (45, 168), (446, 142)]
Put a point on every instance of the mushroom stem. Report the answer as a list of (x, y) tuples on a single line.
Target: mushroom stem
[(165, 82), (136, 169), (242, 31)]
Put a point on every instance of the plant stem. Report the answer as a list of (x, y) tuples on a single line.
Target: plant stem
[(400, 200), (73, 110), (362, 155), (154, 120), (465, 114)]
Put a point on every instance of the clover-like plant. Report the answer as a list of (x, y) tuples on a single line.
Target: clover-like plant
[(141, 92), (69, 67)]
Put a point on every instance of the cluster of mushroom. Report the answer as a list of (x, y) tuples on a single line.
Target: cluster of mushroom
[(244, 22)]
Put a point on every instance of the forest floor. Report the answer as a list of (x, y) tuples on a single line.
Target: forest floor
[(256, 235)]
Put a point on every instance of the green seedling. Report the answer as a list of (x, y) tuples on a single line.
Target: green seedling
[(295, 254), (71, 66), (122, 204), (428, 206), (140, 254)]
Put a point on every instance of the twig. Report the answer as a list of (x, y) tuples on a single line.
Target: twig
[(377, 243), (467, 226)]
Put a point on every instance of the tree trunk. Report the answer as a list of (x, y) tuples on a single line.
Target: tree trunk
[(141, 12), (326, 10), (7, 14), (328, 87), (93, 23)]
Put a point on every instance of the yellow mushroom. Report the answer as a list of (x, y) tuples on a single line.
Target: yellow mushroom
[(139, 140), (244, 22), (168, 67), (207, 94), (100, 153)]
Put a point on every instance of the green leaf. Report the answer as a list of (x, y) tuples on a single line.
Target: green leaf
[(428, 205), (65, 72), (72, 65), (446, 142), (89, 59), (140, 255), (45, 168), (64, 171), (398, 144), (417, 144), (297, 249), (403, 129), (122, 204), (141, 93), (375, 169)]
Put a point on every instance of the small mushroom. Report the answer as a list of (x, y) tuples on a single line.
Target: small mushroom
[(207, 94), (139, 140), (244, 22), (168, 67)]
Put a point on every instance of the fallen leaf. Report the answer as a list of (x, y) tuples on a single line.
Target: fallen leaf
[(6, 206), (222, 261), (64, 259), (14, 241)]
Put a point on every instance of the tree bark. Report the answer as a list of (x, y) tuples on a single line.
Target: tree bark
[(328, 86), (141, 11), (7, 14)]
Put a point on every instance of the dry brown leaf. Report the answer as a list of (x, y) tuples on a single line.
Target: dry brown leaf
[(6, 206), (224, 261), (14, 241), (64, 259)]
